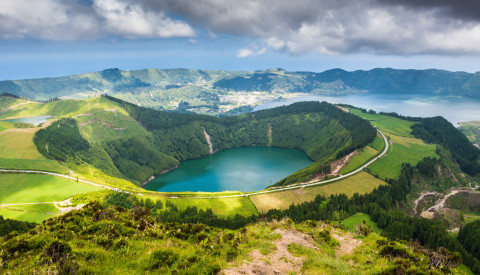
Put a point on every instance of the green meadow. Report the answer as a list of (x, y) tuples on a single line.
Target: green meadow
[(27, 188), (17, 151), (29, 213), (401, 150), (403, 147), (387, 124), (359, 218), (361, 183), (364, 155)]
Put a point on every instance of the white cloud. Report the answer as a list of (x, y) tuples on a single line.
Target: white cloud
[(322, 26), (45, 19), (72, 20), (242, 53), (132, 21)]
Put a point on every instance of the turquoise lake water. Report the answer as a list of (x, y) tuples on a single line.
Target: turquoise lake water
[(238, 169)]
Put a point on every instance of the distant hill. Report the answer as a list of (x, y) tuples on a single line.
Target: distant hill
[(115, 81)]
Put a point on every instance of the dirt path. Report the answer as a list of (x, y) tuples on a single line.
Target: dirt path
[(278, 262), (440, 204), (422, 195), (64, 206), (338, 165), (347, 243), (209, 141)]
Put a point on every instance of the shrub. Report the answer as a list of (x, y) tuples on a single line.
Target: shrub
[(161, 258)]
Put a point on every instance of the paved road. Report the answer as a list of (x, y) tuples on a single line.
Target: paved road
[(216, 197)]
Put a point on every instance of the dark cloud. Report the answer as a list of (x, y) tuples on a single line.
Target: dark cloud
[(395, 27), (459, 9)]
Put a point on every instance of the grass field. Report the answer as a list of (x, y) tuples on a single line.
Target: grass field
[(471, 129), (30, 213), (401, 150), (361, 183), (24, 188), (17, 151), (4, 125), (221, 206), (378, 143), (364, 155), (387, 124), (358, 218), (61, 108)]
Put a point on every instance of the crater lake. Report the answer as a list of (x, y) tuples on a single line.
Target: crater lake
[(238, 169)]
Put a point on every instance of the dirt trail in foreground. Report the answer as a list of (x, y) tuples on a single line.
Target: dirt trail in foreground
[(278, 262)]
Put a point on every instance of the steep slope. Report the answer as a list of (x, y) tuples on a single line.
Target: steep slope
[(119, 147), (113, 240)]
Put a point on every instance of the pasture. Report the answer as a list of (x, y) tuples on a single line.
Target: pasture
[(17, 151), (361, 183), (28, 188), (401, 150), (358, 218)]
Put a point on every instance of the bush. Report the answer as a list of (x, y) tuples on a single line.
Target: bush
[(161, 258)]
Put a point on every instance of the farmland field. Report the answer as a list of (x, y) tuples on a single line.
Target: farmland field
[(364, 155), (361, 183), (401, 150), (17, 151), (26, 188), (387, 124)]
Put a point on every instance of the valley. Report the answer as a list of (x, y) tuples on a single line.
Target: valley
[(100, 144)]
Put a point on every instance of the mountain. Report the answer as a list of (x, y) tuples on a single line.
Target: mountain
[(213, 90), (117, 144)]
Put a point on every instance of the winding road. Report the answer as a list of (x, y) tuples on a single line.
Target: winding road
[(217, 197)]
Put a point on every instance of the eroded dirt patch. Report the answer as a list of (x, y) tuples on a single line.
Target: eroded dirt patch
[(347, 243), (278, 262)]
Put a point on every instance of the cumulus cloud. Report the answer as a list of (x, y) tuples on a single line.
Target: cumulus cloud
[(132, 21), (340, 26), (75, 19), (399, 27), (242, 53)]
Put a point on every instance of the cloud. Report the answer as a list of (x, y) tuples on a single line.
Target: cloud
[(133, 21), (333, 27), (242, 53), (76, 19)]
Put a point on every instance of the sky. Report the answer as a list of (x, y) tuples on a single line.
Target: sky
[(48, 38)]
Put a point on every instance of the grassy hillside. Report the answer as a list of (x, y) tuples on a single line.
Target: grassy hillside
[(204, 91), (471, 130), (403, 148), (63, 108), (24, 188), (361, 183), (17, 151), (115, 240), (112, 140)]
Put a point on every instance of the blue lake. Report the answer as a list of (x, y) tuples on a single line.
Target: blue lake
[(237, 169), (454, 108), (35, 120)]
